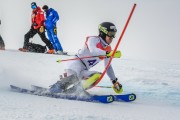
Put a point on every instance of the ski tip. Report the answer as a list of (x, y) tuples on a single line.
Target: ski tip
[(130, 97), (12, 86), (134, 96), (104, 98), (125, 97)]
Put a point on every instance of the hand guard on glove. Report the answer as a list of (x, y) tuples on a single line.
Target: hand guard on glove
[(117, 87), (116, 55)]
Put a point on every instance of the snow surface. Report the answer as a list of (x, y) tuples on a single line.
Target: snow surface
[(156, 83)]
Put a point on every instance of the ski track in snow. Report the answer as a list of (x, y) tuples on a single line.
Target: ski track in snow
[(156, 84)]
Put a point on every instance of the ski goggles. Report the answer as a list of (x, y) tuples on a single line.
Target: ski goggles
[(111, 34), (33, 6)]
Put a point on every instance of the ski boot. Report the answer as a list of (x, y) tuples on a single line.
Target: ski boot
[(65, 85)]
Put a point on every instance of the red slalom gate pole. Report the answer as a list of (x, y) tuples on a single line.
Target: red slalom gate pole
[(127, 22)]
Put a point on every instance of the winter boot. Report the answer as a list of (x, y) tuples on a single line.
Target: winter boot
[(23, 50), (50, 51)]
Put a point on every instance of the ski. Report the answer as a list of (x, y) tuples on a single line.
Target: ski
[(45, 92), (125, 97), (119, 98), (62, 53)]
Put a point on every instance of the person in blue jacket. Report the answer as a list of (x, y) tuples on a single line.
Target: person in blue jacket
[(50, 24)]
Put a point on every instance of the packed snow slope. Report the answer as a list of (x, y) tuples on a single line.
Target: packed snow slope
[(156, 84)]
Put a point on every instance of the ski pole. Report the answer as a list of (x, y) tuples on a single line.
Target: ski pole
[(120, 38), (103, 56), (104, 86)]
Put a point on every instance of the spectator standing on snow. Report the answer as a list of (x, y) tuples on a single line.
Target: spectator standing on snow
[(37, 26), (50, 24)]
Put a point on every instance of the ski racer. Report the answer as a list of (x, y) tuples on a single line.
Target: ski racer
[(95, 46), (37, 26), (50, 24)]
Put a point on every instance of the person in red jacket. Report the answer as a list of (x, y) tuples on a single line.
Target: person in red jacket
[(37, 26)]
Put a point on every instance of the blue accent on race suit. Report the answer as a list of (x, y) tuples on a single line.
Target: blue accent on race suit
[(51, 18)]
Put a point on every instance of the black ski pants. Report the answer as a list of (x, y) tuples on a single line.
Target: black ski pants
[(42, 35)]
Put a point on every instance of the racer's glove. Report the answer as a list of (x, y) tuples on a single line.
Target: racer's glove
[(41, 29), (117, 87), (116, 55)]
